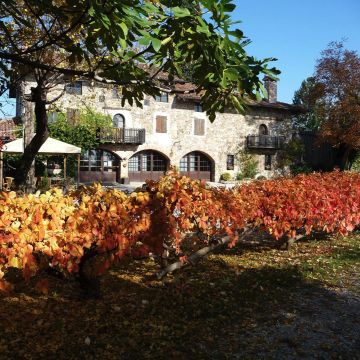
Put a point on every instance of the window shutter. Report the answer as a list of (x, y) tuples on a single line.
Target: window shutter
[(199, 126), (161, 124)]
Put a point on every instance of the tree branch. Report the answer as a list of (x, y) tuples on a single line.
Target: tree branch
[(194, 258)]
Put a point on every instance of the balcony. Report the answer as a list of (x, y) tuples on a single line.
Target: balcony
[(122, 136), (265, 142)]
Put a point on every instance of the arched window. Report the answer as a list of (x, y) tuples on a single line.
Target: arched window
[(99, 165), (147, 164), (119, 121), (263, 130), (197, 165)]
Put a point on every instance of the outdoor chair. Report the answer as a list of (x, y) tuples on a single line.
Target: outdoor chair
[(7, 183)]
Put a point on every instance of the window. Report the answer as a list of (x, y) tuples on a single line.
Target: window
[(147, 161), (101, 98), (194, 162), (52, 116), (115, 93), (263, 130), (72, 116), (184, 163), (74, 88), (267, 162), (198, 107), (119, 121), (161, 124), (199, 126), (230, 162), (98, 160), (163, 97)]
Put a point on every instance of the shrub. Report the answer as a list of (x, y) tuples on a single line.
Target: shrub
[(261, 177), (356, 163), (226, 177), (248, 164), (93, 224), (301, 168)]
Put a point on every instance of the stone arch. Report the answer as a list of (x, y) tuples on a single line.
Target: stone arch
[(263, 130), (100, 165), (147, 164), (198, 165)]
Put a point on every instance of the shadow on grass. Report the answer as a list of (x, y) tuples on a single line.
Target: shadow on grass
[(210, 312), (349, 256)]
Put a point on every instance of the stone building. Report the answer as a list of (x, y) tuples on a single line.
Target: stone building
[(173, 130)]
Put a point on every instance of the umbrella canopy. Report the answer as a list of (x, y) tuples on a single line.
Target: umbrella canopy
[(51, 147)]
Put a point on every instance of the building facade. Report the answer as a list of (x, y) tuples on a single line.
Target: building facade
[(172, 130)]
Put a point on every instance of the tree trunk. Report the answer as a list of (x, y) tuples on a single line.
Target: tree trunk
[(42, 133)]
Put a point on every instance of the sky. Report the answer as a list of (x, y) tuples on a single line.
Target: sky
[(295, 32)]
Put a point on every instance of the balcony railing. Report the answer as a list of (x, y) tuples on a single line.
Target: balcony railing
[(265, 142), (122, 136)]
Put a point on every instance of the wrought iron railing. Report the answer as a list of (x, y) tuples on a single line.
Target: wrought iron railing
[(265, 142), (122, 136)]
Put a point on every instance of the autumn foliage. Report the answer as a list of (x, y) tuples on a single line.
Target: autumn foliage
[(93, 224)]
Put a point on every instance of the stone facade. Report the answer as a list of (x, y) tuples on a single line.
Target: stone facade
[(225, 136)]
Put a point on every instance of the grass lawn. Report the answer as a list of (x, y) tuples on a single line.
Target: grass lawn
[(251, 302)]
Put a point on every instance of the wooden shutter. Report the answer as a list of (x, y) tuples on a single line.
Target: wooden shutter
[(161, 124), (199, 126)]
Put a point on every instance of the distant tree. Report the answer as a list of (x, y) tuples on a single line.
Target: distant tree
[(307, 97), (337, 76), (107, 41)]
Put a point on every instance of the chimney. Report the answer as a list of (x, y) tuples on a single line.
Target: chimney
[(271, 88)]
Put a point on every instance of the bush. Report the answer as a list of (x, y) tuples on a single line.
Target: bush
[(248, 164), (261, 177), (301, 168), (92, 227), (356, 163), (290, 157), (226, 177)]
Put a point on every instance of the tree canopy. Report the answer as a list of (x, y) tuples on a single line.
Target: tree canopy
[(338, 72), (137, 45), (331, 99), (106, 41), (306, 97)]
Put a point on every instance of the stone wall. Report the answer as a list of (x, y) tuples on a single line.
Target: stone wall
[(225, 136)]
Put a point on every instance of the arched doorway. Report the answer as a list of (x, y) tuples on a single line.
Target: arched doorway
[(147, 165), (99, 165), (197, 165)]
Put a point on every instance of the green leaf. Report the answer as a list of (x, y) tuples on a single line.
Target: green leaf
[(238, 106), (156, 44), (124, 28), (229, 7), (231, 74), (91, 11), (180, 12), (105, 21)]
